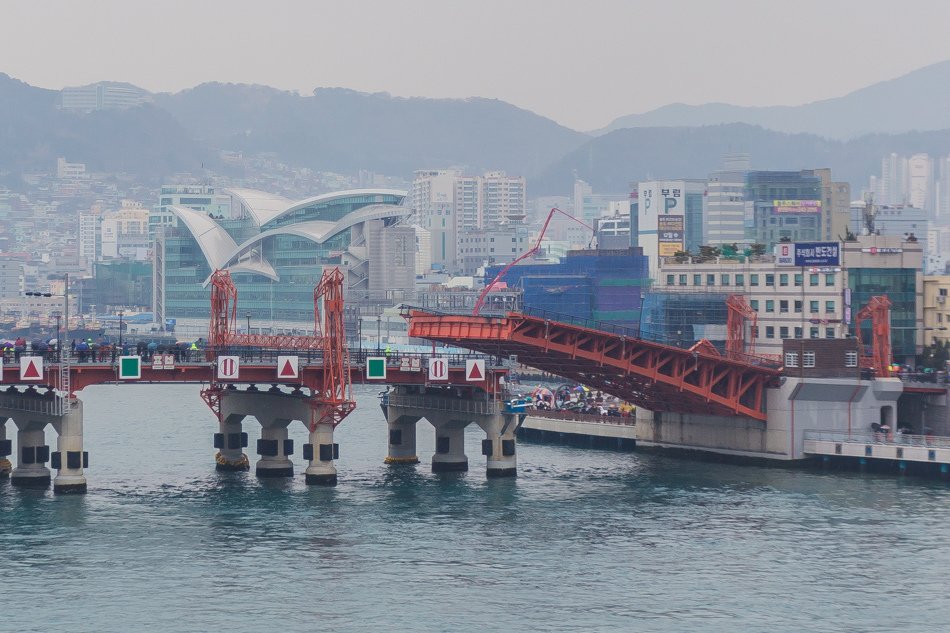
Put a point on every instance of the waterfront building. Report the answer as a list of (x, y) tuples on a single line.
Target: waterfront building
[(937, 309), (276, 253), (601, 285), (669, 217)]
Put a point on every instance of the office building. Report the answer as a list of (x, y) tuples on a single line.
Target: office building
[(936, 309), (589, 206), (725, 202), (783, 206), (201, 198), (670, 216)]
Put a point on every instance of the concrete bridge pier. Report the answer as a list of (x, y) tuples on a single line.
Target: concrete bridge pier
[(69, 458), (402, 437), (6, 449), (32, 454), (230, 440), (274, 448), (449, 443), (321, 451), (499, 444)]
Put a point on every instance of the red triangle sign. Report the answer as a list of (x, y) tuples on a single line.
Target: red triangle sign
[(31, 371), (287, 370), (475, 374)]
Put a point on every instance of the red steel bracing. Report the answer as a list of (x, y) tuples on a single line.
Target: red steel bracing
[(878, 310), (528, 253), (739, 313), (651, 375), (332, 400), (336, 398)]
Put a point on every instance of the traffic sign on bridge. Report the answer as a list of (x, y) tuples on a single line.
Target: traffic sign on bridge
[(438, 368), (229, 367), (376, 368), (288, 367), (130, 367), (475, 370), (31, 368)]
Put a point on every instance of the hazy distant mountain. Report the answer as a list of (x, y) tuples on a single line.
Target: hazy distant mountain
[(919, 100), (610, 162), (343, 130), (145, 141)]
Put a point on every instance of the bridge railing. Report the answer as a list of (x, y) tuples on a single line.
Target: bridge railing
[(870, 437)]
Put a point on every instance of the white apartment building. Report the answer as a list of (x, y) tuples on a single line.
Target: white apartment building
[(90, 245), (125, 232), (69, 171)]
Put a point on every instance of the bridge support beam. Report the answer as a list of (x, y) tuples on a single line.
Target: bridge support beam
[(449, 443), (321, 451), (6, 449), (499, 444), (70, 459), (402, 437), (32, 455), (230, 440), (275, 449)]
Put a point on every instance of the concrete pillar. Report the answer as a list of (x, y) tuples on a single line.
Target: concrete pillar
[(230, 442), (32, 454), (70, 459), (321, 451), (274, 449), (402, 437), (499, 444), (6, 449), (449, 453)]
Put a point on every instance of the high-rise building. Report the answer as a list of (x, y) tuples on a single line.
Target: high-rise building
[(201, 198), (725, 202), (783, 206), (448, 204), (670, 216), (90, 237), (589, 206)]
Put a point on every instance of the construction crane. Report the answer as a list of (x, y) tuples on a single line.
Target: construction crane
[(878, 310), (739, 313), (528, 253)]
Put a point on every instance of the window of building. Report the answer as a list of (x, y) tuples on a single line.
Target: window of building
[(813, 279), (830, 279), (682, 280), (740, 280), (808, 359), (754, 304), (724, 280), (769, 331), (770, 305), (783, 280), (770, 280), (943, 292), (798, 280), (791, 359), (783, 332), (829, 332), (850, 359), (813, 306), (829, 307), (697, 280), (754, 279), (710, 280), (813, 332), (783, 306), (798, 332), (798, 306)]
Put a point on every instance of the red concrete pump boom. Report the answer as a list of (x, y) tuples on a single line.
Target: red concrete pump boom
[(878, 309), (528, 253)]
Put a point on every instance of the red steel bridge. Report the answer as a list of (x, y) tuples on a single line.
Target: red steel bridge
[(648, 374)]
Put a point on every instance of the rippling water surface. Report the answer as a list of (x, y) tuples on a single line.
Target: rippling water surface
[(581, 541)]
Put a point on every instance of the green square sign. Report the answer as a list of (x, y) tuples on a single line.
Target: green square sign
[(376, 368), (130, 367)]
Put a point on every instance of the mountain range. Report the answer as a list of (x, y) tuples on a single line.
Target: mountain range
[(336, 129)]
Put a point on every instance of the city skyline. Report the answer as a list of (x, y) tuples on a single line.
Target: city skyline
[(372, 47)]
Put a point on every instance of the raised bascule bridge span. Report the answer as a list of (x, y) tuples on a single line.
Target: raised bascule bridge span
[(616, 360)]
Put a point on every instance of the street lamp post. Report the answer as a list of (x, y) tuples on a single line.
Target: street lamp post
[(379, 342), (248, 317), (120, 330)]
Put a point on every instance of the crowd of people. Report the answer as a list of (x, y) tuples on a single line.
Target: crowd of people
[(574, 399), (102, 349)]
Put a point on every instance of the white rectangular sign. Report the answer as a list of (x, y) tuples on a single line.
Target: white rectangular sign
[(438, 369), (229, 367)]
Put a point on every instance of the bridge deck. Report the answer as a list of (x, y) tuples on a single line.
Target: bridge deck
[(652, 375)]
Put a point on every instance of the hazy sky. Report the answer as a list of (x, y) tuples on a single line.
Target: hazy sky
[(582, 63)]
